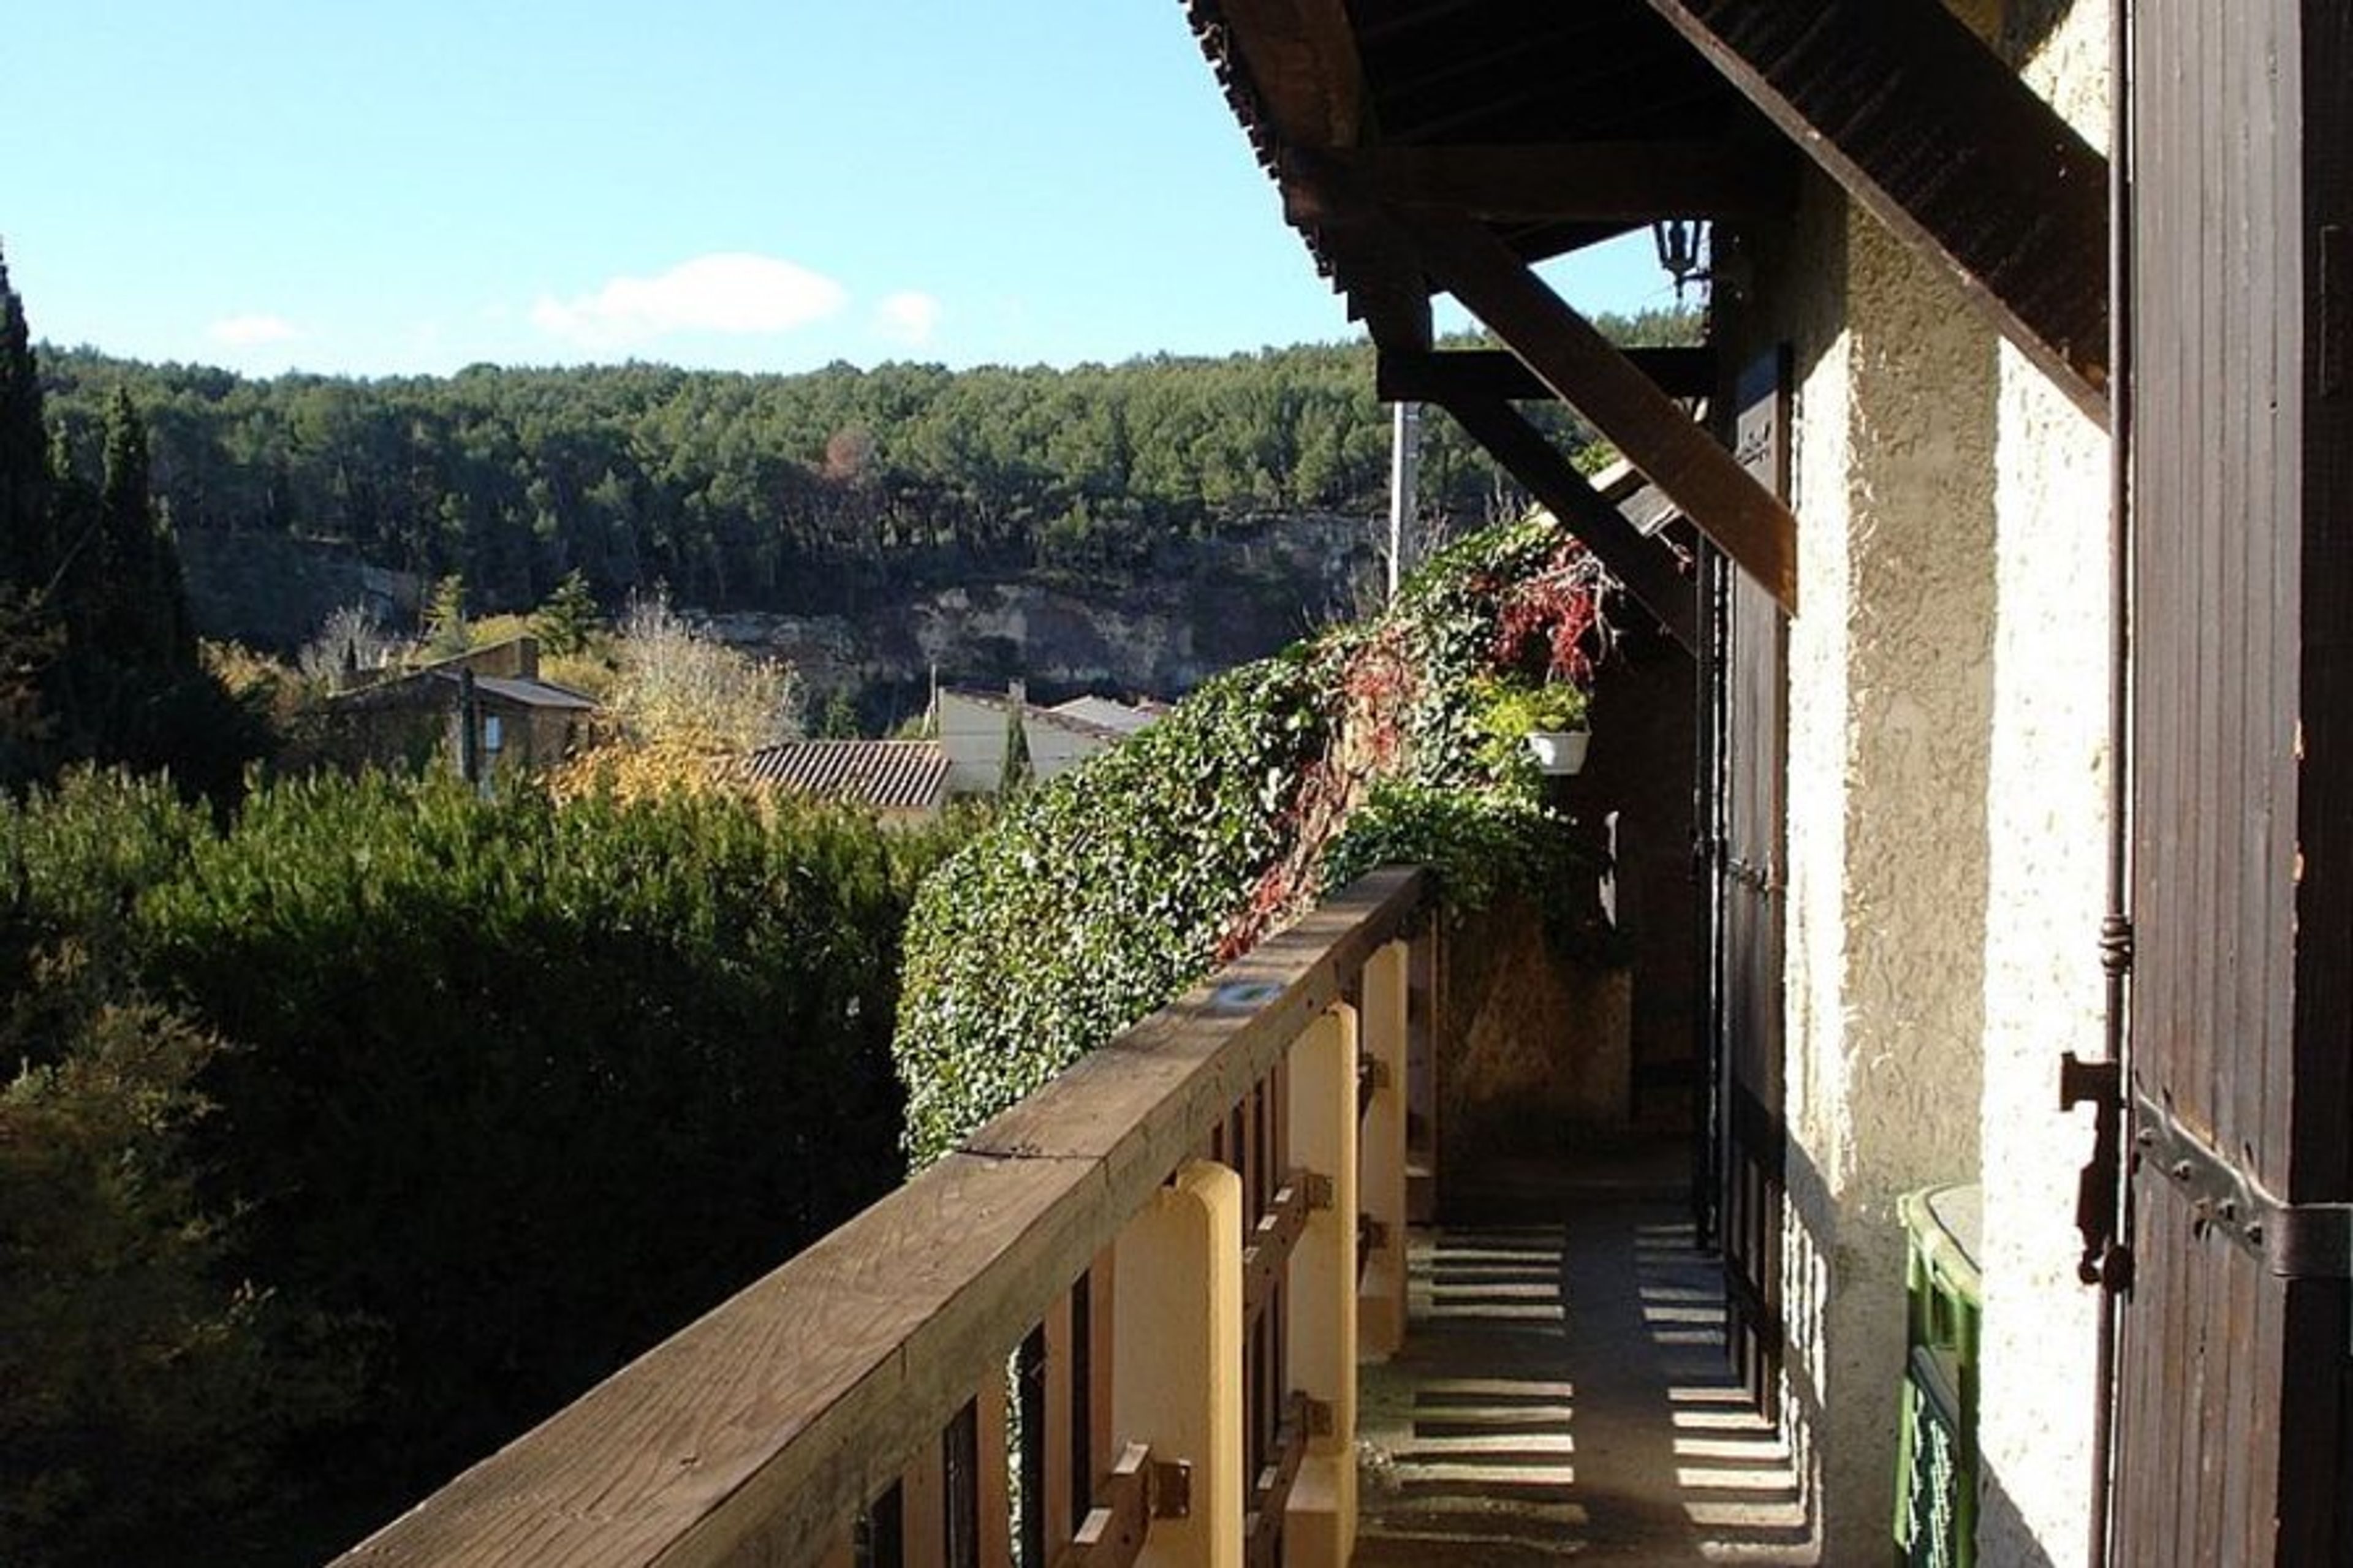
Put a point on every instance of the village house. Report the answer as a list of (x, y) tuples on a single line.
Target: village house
[(485, 710), (908, 782), (974, 729)]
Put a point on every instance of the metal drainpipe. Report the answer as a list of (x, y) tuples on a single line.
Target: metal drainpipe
[(2117, 932)]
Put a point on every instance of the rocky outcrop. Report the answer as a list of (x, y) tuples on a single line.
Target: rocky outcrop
[(1203, 609)]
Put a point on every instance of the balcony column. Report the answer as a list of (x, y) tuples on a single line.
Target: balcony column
[(1176, 1380), (1320, 1524), (1381, 1295)]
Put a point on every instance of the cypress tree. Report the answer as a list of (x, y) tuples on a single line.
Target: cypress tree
[(26, 545), (30, 637), (568, 619), (128, 595)]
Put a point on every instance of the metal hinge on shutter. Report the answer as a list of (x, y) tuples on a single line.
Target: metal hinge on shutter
[(2296, 1241)]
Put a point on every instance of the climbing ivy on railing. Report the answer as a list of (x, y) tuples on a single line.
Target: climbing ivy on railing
[(1102, 895)]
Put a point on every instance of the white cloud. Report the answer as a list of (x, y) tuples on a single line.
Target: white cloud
[(908, 318), (251, 331), (732, 292)]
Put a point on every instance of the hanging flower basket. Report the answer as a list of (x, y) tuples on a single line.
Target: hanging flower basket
[(1559, 752), (1548, 720)]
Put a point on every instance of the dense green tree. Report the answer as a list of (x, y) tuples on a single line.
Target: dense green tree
[(98, 654), (445, 618), (124, 594), (26, 550), (568, 619), (787, 492), (458, 1104)]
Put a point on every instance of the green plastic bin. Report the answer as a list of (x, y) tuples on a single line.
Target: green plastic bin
[(1936, 1459)]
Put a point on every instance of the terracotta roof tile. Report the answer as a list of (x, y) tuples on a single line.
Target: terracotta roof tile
[(887, 774)]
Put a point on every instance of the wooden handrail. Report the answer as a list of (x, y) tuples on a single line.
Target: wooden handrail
[(756, 1432)]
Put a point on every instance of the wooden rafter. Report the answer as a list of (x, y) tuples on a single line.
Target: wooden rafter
[(1302, 60), (1644, 564), (1565, 352), (1302, 69), (1587, 182), (1404, 377), (1936, 137), (1371, 260)]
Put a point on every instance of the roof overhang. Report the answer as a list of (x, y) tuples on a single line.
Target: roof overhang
[(1428, 145)]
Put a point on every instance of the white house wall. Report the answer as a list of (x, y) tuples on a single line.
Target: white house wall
[(2047, 822), (1891, 711), (973, 735), (1948, 809)]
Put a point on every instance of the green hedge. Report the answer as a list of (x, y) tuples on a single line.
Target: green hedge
[(491, 1095), (1101, 895)]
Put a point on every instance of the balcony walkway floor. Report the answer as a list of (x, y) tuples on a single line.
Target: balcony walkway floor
[(1563, 1393)]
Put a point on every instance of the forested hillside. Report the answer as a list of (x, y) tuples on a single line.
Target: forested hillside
[(784, 492)]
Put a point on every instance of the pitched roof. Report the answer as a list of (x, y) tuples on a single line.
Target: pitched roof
[(1126, 717), (887, 774), (437, 686), (1100, 718), (532, 693)]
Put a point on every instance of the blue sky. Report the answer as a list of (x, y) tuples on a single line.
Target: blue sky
[(752, 184)]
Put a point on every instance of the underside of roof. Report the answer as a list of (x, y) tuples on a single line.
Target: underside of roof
[(1425, 146), (1491, 75)]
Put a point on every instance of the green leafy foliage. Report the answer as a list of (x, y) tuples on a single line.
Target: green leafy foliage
[(482, 1096), (1103, 894), (1096, 895), (147, 1384)]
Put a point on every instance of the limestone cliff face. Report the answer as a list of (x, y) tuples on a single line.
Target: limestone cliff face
[(1217, 604), (1201, 607)]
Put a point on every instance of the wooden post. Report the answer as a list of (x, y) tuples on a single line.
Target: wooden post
[(1177, 1353), (993, 1463), (1320, 1524), (1058, 1429), (1422, 1132), (924, 1506), (1381, 1291)]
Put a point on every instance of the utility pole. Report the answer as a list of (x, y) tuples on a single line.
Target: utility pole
[(1404, 483)]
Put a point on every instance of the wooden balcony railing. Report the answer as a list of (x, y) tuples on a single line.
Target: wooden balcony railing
[(1160, 1247)]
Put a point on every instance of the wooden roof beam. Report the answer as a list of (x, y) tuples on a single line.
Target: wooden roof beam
[(1644, 564), (1403, 376), (1724, 501), (1301, 55), (1930, 133), (1593, 181)]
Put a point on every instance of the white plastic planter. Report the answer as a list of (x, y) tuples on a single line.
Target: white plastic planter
[(1559, 750)]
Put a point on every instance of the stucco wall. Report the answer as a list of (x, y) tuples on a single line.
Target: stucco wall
[(1947, 835), (2047, 822), (1890, 707)]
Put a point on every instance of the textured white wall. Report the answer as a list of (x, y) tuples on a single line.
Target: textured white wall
[(1947, 779), (2047, 821), (1891, 691)]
